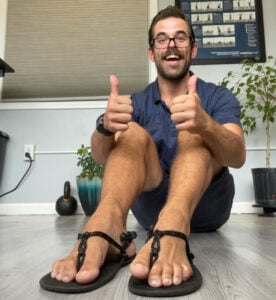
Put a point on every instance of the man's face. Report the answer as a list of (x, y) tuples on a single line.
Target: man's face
[(172, 62)]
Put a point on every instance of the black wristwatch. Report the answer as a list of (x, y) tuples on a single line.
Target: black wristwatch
[(100, 126)]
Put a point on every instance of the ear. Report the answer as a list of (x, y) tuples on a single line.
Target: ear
[(194, 50), (151, 54)]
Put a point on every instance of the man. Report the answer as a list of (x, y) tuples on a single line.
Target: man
[(166, 152)]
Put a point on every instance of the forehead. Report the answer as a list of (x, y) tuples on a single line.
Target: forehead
[(170, 26)]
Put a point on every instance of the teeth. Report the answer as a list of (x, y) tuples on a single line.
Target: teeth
[(172, 56)]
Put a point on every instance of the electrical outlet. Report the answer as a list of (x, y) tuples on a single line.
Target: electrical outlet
[(31, 149)]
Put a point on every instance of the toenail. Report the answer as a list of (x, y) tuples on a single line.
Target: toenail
[(167, 281), (176, 280), (154, 283), (58, 277)]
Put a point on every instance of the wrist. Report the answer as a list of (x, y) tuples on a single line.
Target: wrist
[(100, 126)]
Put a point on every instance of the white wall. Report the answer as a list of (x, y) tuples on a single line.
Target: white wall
[(58, 129)]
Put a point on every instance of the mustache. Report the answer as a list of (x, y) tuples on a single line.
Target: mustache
[(173, 51)]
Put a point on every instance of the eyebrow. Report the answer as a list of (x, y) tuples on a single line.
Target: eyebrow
[(177, 32)]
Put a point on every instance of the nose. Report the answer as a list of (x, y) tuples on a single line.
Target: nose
[(174, 43)]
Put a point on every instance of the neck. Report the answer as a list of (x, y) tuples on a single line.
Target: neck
[(169, 89)]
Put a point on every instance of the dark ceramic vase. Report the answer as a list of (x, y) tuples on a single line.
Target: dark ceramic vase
[(89, 190)]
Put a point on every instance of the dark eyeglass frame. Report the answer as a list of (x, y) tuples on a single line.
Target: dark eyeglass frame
[(172, 39)]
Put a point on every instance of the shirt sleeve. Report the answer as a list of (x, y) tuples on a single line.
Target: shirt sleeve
[(220, 104), (227, 108), (135, 108)]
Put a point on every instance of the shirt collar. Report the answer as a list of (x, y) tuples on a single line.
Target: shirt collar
[(156, 93)]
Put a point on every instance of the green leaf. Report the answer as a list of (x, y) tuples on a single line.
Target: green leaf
[(88, 166), (255, 87)]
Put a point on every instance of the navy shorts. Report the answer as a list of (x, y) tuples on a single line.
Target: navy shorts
[(212, 211)]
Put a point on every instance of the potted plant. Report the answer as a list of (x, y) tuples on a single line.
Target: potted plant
[(89, 181), (255, 88)]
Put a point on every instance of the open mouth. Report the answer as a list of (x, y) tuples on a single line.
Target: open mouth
[(172, 57)]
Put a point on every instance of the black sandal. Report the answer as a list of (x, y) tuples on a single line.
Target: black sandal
[(141, 287), (107, 272)]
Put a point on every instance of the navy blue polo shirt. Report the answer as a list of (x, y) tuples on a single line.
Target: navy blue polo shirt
[(151, 112)]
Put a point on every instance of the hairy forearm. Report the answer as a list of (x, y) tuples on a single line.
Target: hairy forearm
[(226, 143), (101, 146)]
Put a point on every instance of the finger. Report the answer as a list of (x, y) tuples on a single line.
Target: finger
[(124, 100), (192, 84), (122, 118), (178, 99), (114, 85), (125, 107)]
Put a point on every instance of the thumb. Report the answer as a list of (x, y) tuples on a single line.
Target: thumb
[(192, 84), (114, 85)]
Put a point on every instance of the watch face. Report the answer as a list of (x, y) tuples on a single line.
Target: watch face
[(100, 121), (100, 127)]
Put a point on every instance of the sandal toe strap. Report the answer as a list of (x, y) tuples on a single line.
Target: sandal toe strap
[(155, 246), (125, 237)]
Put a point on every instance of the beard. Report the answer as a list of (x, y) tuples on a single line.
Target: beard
[(173, 73)]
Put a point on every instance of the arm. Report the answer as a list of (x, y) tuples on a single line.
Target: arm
[(101, 146), (226, 142), (118, 114)]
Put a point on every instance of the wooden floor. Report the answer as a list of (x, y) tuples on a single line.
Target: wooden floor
[(237, 262)]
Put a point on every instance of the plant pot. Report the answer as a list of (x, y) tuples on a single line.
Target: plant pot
[(3, 144), (264, 180), (89, 190)]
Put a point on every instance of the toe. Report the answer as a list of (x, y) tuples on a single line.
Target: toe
[(187, 272), (167, 275), (85, 276), (140, 265), (90, 269), (64, 270), (177, 274), (155, 277), (56, 268)]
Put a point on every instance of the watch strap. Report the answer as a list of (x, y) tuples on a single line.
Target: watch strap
[(100, 126)]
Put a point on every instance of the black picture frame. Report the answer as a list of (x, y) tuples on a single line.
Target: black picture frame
[(227, 31)]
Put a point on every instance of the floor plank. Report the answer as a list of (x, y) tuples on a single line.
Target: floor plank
[(237, 262)]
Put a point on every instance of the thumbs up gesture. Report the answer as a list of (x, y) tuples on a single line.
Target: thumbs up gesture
[(186, 110), (119, 108)]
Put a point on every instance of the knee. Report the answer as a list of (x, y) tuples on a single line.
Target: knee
[(136, 136), (193, 146), (188, 142)]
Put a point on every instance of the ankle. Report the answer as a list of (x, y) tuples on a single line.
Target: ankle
[(112, 212), (173, 219)]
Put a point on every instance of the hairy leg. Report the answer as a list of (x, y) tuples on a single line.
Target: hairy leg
[(191, 174), (132, 167)]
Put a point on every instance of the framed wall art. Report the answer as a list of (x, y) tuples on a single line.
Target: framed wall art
[(227, 31)]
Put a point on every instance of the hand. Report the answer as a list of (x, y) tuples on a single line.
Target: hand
[(186, 110), (119, 108)]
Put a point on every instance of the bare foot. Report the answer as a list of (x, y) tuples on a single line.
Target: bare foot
[(97, 251), (172, 265)]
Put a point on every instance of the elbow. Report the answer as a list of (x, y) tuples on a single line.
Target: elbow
[(98, 158), (240, 160), (96, 153)]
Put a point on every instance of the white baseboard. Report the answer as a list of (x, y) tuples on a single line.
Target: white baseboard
[(31, 209), (244, 208), (49, 208)]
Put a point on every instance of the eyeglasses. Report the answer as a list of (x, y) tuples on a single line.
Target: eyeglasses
[(180, 41)]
